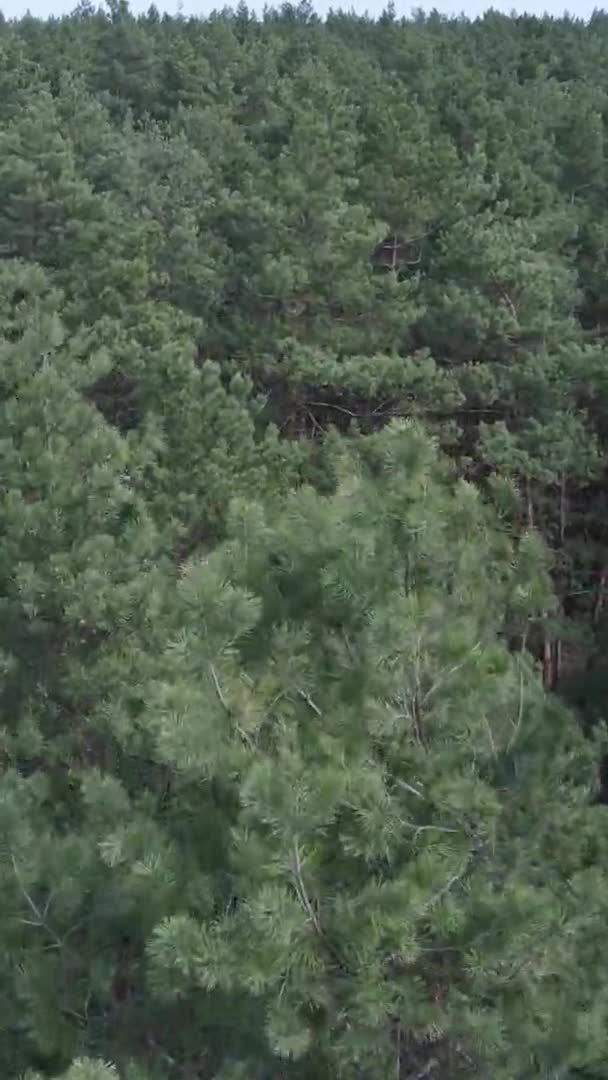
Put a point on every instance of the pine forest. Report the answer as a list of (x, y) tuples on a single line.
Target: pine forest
[(303, 546)]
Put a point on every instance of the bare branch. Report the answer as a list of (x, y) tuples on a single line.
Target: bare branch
[(301, 890), (308, 907), (447, 673), (490, 735), (408, 787), (517, 723), (331, 405), (39, 917), (229, 712), (452, 880), (218, 689), (307, 698)]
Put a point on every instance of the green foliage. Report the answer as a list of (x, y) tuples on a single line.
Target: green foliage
[(84, 1069), (389, 760), (303, 432)]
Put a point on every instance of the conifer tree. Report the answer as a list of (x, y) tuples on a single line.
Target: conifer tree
[(81, 578), (340, 663)]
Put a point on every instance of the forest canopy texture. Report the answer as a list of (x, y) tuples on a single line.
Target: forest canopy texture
[(303, 547)]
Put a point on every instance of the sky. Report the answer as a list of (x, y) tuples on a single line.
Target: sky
[(471, 8)]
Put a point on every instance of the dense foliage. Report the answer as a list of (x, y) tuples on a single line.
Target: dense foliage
[(303, 547)]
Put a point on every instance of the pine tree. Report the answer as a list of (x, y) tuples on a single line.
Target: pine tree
[(81, 581), (340, 664)]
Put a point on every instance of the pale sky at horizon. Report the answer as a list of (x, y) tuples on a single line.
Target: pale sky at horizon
[(471, 8)]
